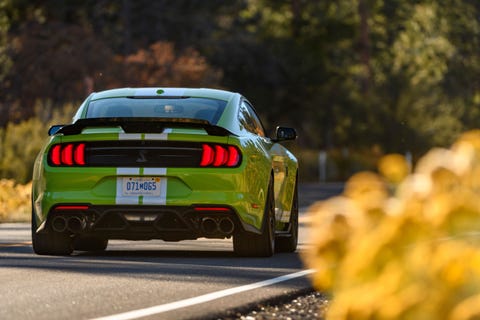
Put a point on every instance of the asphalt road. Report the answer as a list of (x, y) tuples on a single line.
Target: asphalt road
[(144, 279)]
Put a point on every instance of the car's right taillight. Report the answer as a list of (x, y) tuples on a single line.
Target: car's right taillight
[(218, 156), (67, 155)]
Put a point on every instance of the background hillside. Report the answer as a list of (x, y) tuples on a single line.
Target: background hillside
[(357, 78)]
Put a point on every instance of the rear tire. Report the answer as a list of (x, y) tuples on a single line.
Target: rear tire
[(249, 244), (288, 243), (90, 243), (51, 243)]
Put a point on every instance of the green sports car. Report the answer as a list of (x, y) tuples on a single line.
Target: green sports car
[(165, 163)]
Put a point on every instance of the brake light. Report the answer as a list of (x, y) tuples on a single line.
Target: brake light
[(220, 156), (55, 155), (208, 155), (217, 209), (233, 156), (67, 154), (71, 207), (79, 154)]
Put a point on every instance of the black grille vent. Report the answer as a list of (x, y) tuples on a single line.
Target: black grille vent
[(135, 153)]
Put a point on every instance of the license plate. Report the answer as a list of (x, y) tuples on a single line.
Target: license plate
[(141, 186)]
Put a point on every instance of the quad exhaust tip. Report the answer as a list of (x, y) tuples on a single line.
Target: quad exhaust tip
[(226, 225), (59, 224), (76, 224), (73, 224)]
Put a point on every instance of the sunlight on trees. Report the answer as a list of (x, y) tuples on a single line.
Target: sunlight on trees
[(20, 143), (422, 49)]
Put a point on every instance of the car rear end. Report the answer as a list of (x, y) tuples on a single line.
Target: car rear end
[(117, 175), (175, 185)]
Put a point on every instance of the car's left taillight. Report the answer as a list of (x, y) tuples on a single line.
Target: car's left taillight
[(67, 155)]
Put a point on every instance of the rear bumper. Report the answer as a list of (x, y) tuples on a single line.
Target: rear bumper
[(180, 188), (130, 222)]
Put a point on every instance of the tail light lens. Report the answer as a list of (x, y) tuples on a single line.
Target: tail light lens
[(220, 156), (213, 155), (67, 154), (71, 207), (217, 209)]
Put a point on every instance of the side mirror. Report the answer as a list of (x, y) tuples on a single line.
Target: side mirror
[(54, 129), (284, 133)]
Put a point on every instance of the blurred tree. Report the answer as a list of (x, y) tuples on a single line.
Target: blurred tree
[(420, 106), (55, 58), (462, 81), (5, 61), (62, 63), (400, 74), (67, 48), (21, 142), (312, 61), (161, 64), (18, 154)]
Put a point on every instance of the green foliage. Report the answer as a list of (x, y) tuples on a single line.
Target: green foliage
[(20, 143), (20, 146), (5, 61)]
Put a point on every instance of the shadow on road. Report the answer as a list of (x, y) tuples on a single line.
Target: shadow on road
[(193, 265)]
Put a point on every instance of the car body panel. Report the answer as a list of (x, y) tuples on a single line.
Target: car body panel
[(243, 188)]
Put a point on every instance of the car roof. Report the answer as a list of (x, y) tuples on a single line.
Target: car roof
[(164, 91)]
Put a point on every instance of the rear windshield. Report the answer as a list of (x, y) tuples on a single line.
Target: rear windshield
[(191, 108)]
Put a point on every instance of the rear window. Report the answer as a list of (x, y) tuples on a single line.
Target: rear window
[(190, 108)]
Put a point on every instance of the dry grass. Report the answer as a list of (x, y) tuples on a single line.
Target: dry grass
[(14, 201), (400, 245)]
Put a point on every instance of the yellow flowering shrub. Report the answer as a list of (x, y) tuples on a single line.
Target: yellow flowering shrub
[(14, 201), (396, 245)]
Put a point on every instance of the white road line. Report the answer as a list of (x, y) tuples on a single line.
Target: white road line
[(135, 314)]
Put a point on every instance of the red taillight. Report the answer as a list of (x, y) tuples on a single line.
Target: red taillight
[(223, 209), (220, 156), (207, 155), (69, 154), (79, 154), (71, 207), (233, 156), (55, 155)]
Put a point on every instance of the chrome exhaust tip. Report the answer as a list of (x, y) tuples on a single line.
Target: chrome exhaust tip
[(226, 226), (76, 224), (59, 224), (209, 226)]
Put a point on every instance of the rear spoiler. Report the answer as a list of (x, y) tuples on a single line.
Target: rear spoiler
[(139, 125)]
